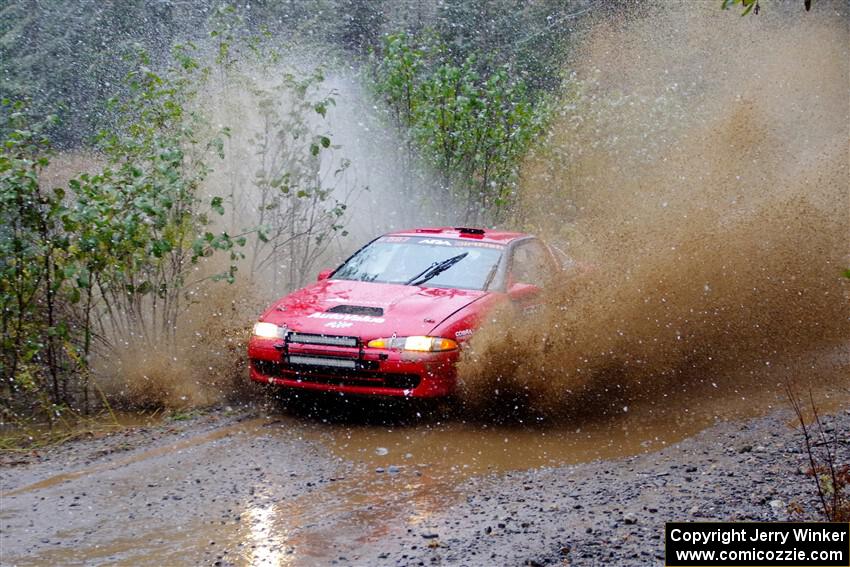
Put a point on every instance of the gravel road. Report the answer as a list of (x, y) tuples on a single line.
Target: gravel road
[(248, 488)]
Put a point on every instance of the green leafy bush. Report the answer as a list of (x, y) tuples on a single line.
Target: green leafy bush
[(471, 130), (297, 197), (109, 260), (33, 266)]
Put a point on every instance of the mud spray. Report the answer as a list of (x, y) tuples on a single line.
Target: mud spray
[(697, 166)]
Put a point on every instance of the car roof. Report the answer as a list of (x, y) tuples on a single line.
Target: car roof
[(480, 234)]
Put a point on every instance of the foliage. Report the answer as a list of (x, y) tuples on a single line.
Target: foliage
[(143, 225), (294, 196), (299, 208), (110, 260), (472, 130), (530, 37), (832, 479), (66, 57), (32, 250)]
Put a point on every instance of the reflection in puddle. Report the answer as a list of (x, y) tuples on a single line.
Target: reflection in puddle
[(267, 535)]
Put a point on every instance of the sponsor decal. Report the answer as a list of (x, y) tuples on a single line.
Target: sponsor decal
[(346, 317), (357, 301), (395, 239), (463, 333), (339, 324), (437, 241), (472, 244)]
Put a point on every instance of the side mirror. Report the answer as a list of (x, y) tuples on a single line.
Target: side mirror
[(324, 274), (522, 291)]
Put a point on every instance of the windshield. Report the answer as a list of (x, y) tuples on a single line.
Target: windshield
[(429, 262)]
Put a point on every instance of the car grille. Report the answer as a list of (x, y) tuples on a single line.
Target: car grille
[(321, 361), (324, 374), (324, 340)]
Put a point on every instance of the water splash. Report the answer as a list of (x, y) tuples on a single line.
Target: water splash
[(698, 166)]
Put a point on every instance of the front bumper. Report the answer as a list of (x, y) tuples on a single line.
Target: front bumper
[(376, 372)]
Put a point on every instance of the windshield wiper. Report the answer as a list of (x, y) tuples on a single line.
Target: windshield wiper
[(435, 270)]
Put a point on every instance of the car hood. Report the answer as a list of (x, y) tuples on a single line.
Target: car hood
[(368, 310)]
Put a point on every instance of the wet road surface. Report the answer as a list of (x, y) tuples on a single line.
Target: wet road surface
[(273, 487)]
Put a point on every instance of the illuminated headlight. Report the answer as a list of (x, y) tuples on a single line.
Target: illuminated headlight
[(415, 343), (269, 331)]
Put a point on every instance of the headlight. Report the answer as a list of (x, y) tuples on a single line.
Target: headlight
[(415, 343), (268, 331)]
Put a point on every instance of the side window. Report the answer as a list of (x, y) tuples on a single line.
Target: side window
[(531, 264)]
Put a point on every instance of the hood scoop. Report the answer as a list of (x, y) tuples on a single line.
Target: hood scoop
[(356, 310)]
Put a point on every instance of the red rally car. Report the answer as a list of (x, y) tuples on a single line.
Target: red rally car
[(391, 320)]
